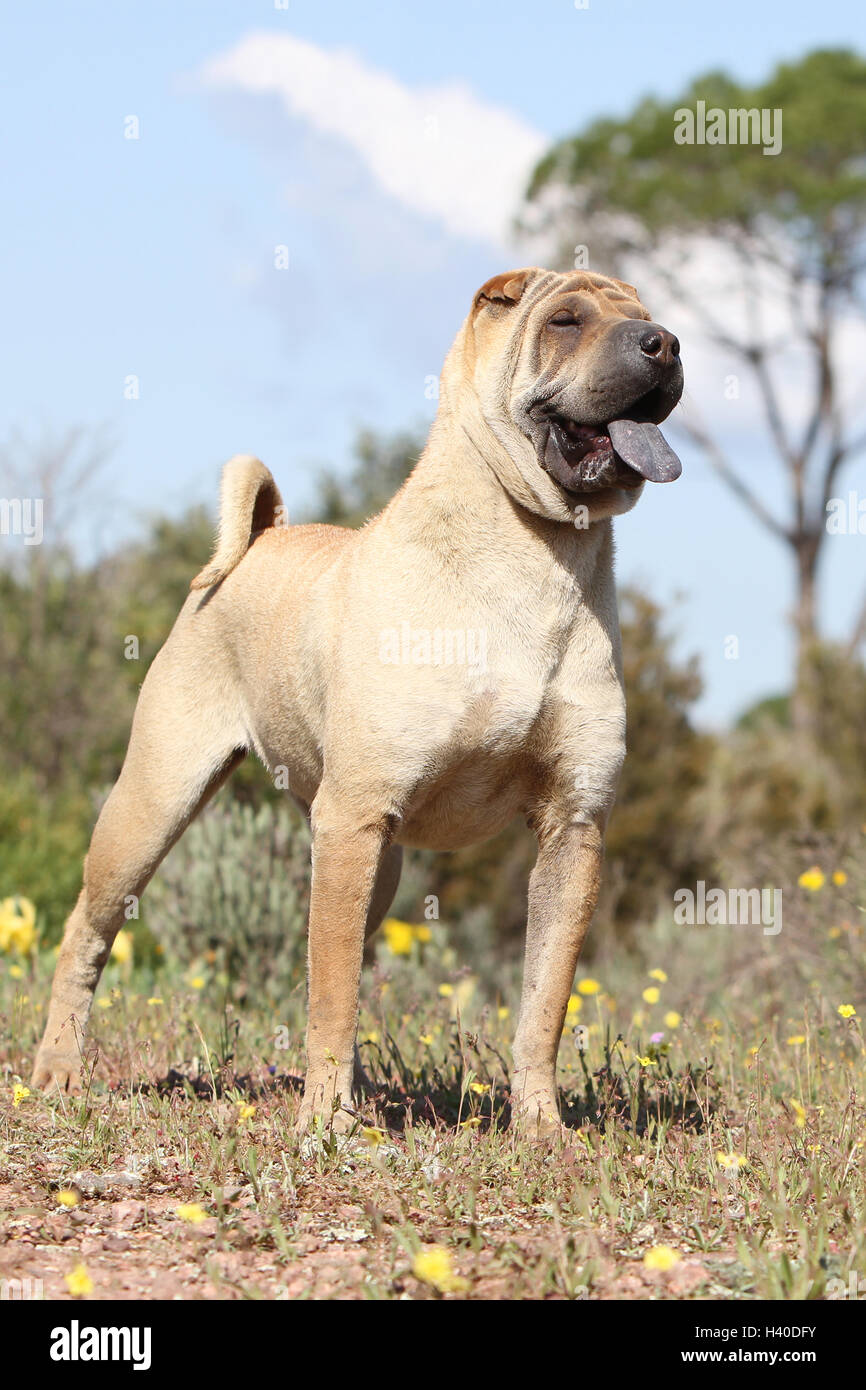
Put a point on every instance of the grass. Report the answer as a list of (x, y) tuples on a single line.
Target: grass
[(723, 1119)]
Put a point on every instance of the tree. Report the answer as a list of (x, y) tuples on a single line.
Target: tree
[(654, 841), (52, 615), (787, 230), (382, 465)]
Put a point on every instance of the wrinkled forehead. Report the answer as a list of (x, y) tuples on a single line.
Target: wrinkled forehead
[(509, 322), (606, 295)]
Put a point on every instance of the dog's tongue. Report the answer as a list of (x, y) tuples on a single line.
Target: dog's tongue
[(644, 448)]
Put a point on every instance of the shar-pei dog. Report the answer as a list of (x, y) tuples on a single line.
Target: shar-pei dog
[(421, 681)]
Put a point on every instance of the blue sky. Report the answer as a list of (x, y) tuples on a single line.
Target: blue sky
[(154, 257)]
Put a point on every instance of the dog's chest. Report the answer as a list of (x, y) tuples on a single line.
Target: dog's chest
[(516, 725), (528, 655)]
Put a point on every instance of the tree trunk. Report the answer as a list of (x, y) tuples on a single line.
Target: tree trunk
[(803, 711)]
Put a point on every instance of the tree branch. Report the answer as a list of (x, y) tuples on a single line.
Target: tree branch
[(734, 482), (858, 635)]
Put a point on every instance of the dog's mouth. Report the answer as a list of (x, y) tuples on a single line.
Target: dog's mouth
[(622, 453)]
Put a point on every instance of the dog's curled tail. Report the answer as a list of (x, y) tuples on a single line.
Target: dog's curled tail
[(250, 502)]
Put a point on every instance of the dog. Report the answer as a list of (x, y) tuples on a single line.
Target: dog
[(500, 539)]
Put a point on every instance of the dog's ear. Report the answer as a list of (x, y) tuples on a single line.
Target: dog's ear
[(629, 289), (505, 289)]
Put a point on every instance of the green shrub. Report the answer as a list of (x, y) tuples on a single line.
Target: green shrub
[(231, 899), (43, 841)]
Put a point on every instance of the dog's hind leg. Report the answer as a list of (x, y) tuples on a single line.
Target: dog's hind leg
[(185, 741)]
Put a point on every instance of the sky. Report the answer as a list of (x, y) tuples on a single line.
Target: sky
[(285, 250)]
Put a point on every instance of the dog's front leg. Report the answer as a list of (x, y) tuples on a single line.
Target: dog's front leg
[(346, 859), (563, 890)]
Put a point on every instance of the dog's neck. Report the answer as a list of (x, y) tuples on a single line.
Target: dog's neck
[(465, 504)]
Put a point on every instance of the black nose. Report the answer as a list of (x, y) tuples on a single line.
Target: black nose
[(659, 344)]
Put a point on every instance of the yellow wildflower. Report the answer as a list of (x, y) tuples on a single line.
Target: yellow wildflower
[(398, 936), (433, 1265), (480, 1088), (840, 878), (121, 951), (17, 925), (731, 1160), (19, 1093), (796, 1040), (465, 990), (192, 1212), (846, 1011), (651, 995), (446, 991), (799, 1114), (661, 1257), (154, 1000), (504, 1012), (588, 986), (373, 1136), (658, 975), (672, 1019), (575, 1004), (812, 879), (245, 1110), (67, 1198), (197, 982), (426, 1039), (78, 1281)]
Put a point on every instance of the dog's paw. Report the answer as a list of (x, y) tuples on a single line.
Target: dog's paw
[(57, 1071), (339, 1122), (538, 1122)]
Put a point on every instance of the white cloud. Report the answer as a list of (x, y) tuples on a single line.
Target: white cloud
[(441, 151)]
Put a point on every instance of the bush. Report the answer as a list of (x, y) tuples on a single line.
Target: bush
[(231, 900), (42, 846)]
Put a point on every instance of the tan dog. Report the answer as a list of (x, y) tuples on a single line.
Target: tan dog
[(451, 665)]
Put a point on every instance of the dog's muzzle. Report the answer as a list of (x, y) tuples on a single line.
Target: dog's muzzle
[(610, 437)]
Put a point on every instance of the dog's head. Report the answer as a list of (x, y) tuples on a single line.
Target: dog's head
[(572, 377)]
